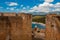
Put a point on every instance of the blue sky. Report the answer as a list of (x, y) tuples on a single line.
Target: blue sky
[(29, 5)]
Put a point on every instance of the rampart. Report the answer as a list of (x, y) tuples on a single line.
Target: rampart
[(52, 27), (15, 26)]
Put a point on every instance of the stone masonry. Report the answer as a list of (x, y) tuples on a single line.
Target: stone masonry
[(15, 26), (52, 27)]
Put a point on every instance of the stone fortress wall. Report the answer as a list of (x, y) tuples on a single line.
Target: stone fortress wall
[(15, 26), (52, 27)]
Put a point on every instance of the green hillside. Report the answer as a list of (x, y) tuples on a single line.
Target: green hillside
[(40, 19)]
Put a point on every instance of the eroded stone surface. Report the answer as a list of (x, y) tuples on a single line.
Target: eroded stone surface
[(15, 27)]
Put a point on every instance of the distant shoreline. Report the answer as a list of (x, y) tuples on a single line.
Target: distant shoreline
[(42, 24), (39, 23)]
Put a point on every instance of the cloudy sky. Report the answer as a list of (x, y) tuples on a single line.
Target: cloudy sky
[(29, 5)]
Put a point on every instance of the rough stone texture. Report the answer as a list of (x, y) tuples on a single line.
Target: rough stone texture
[(52, 25), (9, 14), (0, 14), (16, 26), (26, 26), (3, 28)]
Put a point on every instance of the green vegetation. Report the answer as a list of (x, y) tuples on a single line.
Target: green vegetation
[(40, 19)]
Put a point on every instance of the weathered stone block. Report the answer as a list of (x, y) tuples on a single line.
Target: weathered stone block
[(16, 26), (52, 25), (9, 14), (3, 28)]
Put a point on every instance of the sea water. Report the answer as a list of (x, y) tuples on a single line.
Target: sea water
[(38, 25)]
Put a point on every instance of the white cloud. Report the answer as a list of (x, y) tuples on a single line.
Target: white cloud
[(45, 4), (24, 7), (27, 6), (49, 0), (17, 9), (11, 3), (31, 10), (21, 5), (10, 8), (57, 5), (35, 8), (57, 9), (24, 11), (41, 8), (7, 8), (45, 7)]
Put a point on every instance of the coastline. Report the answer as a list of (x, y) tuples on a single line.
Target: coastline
[(39, 23), (42, 24)]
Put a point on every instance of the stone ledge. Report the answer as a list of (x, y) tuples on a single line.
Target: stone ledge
[(13, 14)]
